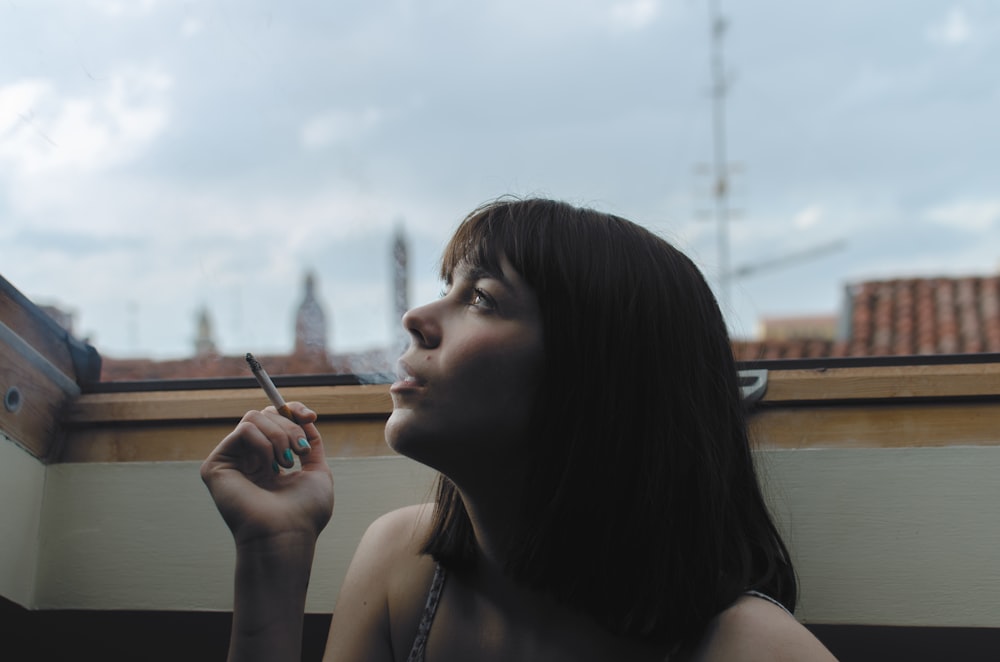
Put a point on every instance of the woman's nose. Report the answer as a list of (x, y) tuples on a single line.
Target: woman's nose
[(423, 325)]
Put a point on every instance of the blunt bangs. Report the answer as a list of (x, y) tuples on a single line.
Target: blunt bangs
[(494, 230)]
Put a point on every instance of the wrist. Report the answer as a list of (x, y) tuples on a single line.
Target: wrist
[(277, 565), (271, 583), (295, 545)]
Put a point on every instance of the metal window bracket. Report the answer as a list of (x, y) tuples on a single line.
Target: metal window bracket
[(753, 385)]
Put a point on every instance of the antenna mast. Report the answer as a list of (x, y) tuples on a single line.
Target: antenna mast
[(720, 168)]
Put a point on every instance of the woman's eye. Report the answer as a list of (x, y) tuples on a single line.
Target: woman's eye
[(468, 294), (480, 299)]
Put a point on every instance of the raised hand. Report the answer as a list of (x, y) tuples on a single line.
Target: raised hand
[(250, 478)]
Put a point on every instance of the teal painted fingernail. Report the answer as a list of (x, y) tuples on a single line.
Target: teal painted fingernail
[(303, 443), (288, 455), (275, 468)]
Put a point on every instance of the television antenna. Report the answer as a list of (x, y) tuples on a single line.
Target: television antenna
[(720, 169), (748, 270)]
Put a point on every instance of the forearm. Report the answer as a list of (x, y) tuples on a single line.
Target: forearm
[(269, 602)]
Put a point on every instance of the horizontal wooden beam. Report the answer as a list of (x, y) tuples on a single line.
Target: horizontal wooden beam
[(186, 425), (223, 404), (931, 381), (877, 426), (885, 406)]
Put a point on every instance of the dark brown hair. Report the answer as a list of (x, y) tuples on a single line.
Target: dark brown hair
[(642, 507)]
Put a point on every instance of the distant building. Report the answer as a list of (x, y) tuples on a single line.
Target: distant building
[(310, 321), (308, 356), (823, 327), (204, 340), (401, 285)]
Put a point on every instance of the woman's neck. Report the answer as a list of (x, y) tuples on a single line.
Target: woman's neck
[(542, 621), (492, 525)]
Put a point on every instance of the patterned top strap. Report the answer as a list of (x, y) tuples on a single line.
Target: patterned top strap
[(427, 619)]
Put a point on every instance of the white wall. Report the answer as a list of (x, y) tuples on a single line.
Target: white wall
[(22, 481), (904, 536), (147, 535), (880, 536)]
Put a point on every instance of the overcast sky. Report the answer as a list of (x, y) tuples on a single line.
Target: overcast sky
[(157, 157)]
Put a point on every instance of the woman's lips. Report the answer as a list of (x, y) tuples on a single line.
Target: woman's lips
[(405, 379)]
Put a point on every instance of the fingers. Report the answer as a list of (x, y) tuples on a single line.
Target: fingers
[(291, 437), (246, 449), (282, 435), (311, 453), (266, 440)]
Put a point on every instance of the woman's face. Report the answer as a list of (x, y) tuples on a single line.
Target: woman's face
[(466, 384)]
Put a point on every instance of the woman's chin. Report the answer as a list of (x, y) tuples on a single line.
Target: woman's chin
[(400, 434)]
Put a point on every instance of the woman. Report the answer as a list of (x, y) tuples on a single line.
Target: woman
[(575, 388)]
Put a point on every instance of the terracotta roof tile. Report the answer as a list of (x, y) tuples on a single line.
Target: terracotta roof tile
[(903, 316), (925, 316), (217, 366), (798, 348)]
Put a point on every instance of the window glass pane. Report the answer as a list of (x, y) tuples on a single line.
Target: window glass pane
[(183, 182)]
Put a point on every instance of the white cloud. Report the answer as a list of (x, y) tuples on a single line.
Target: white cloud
[(41, 130), (120, 8), (339, 126), (952, 30), (17, 101), (118, 204), (972, 216), (634, 14), (191, 26), (808, 217)]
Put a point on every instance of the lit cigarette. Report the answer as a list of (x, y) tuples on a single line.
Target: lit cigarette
[(269, 388)]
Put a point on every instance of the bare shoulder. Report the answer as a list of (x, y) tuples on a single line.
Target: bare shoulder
[(401, 531), (754, 630), (389, 553), (382, 593)]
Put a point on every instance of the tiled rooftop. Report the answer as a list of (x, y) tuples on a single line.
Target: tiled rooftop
[(796, 348), (903, 316), (215, 366), (925, 316)]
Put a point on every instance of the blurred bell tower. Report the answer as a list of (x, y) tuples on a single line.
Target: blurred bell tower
[(401, 285), (310, 321)]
